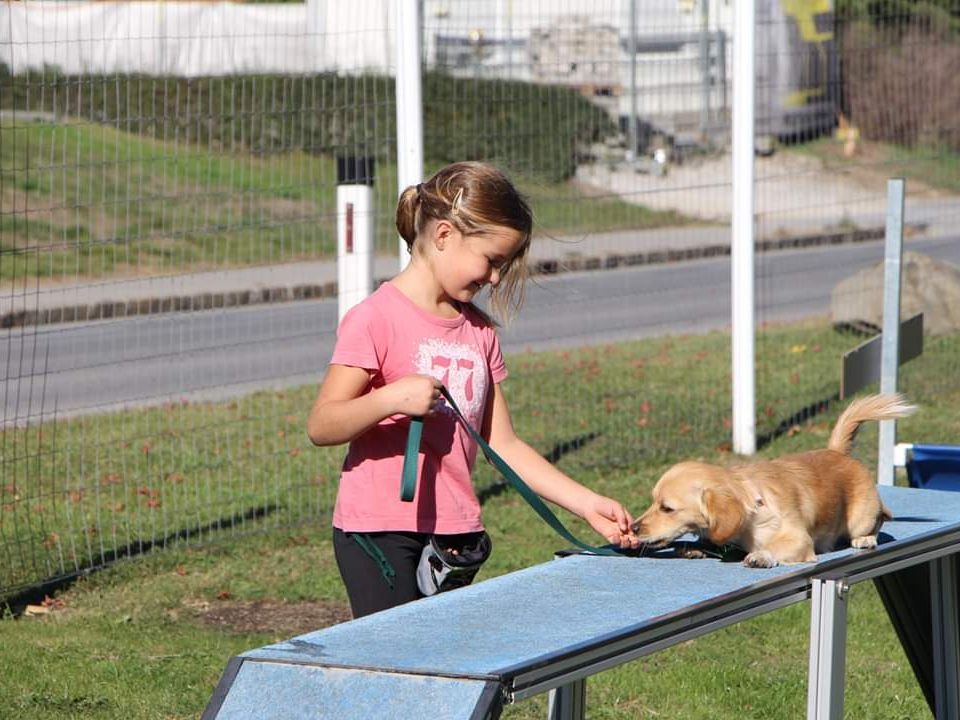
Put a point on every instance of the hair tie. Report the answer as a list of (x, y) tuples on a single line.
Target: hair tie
[(419, 190)]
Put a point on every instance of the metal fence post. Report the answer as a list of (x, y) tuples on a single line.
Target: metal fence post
[(742, 242), (890, 354), (409, 98)]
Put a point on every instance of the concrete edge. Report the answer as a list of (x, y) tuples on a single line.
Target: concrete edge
[(110, 309)]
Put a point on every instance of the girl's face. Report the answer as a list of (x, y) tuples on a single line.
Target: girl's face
[(466, 263)]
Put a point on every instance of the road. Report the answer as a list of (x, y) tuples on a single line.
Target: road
[(87, 367)]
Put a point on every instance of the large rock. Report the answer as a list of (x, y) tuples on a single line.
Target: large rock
[(927, 285)]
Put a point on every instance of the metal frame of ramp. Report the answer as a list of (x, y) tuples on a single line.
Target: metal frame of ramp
[(548, 627)]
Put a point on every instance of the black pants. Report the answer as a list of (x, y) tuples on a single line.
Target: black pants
[(367, 588)]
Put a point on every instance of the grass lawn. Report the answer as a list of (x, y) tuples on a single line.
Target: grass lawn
[(933, 167), (84, 201), (148, 638)]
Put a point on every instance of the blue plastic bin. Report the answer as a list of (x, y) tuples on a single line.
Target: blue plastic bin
[(934, 467)]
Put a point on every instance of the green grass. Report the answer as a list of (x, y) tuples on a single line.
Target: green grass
[(936, 167), (135, 641), (83, 200), (76, 492)]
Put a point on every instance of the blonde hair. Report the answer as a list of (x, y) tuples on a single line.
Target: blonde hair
[(473, 197)]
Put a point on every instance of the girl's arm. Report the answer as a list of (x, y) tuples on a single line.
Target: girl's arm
[(605, 515), (343, 410)]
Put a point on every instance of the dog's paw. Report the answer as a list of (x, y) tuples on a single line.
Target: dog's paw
[(866, 542), (760, 559), (691, 553)]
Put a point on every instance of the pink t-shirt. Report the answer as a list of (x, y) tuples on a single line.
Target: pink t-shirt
[(389, 335)]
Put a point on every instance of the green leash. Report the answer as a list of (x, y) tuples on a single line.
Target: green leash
[(376, 554), (409, 478), (408, 483)]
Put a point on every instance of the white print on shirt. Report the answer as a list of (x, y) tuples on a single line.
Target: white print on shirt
[(460, 368)]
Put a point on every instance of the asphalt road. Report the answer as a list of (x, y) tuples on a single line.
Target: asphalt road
[(87, 367)]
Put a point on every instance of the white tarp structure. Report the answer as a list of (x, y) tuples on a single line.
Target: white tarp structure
[(191, 39)]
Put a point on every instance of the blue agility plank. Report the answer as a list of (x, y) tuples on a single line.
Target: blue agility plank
[(535, 629), (934, 467), (309, 692)]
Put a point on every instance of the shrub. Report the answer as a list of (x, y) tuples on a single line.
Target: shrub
[(528, 128), (902, 83)]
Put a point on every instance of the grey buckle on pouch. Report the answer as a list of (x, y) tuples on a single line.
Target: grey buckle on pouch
[(451, 561)]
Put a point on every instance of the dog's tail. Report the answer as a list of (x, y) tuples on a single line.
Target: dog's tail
[(872, 407)]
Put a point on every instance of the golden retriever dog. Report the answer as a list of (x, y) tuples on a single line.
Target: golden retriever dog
[(778, 511)]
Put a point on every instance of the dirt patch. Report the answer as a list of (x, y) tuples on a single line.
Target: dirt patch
[(276, 618), (790, 186)]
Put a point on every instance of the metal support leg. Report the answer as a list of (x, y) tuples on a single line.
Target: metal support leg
[(828, 649), (568, 702), (946, 641)]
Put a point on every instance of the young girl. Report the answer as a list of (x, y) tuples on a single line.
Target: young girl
[(466, 227)]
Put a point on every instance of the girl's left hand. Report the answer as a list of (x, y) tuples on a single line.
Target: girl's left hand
[(611, 519)]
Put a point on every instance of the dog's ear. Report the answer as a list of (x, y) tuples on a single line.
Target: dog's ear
[(724, 514)]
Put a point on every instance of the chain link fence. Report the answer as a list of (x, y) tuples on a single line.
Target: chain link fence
[(167, 202)]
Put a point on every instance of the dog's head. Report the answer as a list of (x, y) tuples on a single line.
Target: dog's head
[(694, 497)]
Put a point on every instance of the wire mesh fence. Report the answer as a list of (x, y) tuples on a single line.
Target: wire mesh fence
[(160, 195)]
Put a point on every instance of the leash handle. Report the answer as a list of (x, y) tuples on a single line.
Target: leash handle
[(408, 482)]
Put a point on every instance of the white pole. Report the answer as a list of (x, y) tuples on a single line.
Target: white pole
[(890, 342), (632, 120), (409, 102), (741, 227), (355, 226)]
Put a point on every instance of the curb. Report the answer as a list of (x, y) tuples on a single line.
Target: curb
[(110, 309)]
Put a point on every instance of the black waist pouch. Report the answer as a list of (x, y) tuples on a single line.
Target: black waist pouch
[(451, 561)]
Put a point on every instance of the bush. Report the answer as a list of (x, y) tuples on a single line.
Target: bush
[(902, 83), (528, 128)]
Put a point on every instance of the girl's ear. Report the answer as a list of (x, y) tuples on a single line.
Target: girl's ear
[(724, 514), (442, 230)]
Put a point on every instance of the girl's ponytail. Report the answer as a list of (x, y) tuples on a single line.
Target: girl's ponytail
[(408, 207)]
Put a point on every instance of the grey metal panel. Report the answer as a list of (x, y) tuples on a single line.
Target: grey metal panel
[(861, 366)]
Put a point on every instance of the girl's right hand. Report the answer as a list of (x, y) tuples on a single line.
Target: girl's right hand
[(414, 395)]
